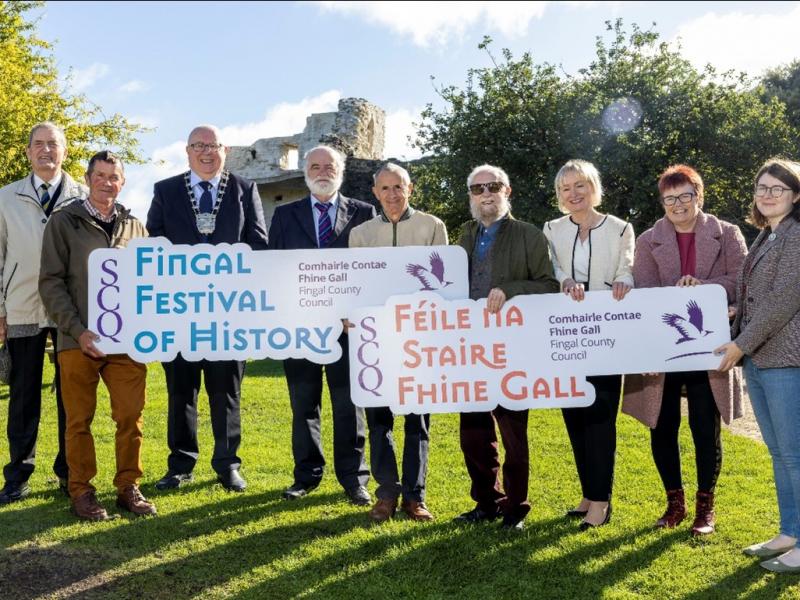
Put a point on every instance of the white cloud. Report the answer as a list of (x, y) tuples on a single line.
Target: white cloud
[(741, 41), (82, 79), (285, 118), (133, 86), (399, 126), (282, 119), (434, 23)]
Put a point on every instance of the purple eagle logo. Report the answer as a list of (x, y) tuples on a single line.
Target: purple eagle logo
[(682, 325), (689, 329), (431, 278)]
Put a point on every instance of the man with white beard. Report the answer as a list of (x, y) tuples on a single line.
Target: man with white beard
[(322, 220), (507, 258)]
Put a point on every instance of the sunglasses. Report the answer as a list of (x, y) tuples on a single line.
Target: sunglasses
[(476, 189)]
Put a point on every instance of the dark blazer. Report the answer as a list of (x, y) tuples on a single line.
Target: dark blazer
[(240, 217), (293, 226), (520, 257)]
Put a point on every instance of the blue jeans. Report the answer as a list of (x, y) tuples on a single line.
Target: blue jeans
[(775, 396)]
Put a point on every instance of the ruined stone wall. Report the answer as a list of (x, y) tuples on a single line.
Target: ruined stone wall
[(355, 129)]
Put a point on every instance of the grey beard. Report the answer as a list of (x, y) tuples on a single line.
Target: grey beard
[(323, 188), (502, 211)]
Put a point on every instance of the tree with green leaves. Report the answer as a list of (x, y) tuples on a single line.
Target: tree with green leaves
[(783, 83), (637, 108), (30, 92)]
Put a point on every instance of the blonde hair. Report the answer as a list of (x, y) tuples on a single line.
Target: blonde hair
[(585, 170)]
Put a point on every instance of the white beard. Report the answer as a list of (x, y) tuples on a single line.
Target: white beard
[(493, 212), (324, 187)]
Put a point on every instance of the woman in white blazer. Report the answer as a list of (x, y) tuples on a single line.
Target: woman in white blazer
[(591, 251)]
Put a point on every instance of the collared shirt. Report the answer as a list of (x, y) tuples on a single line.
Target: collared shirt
[(333, 205), (96, 214), (52, 185), (194, 181), (486, 237)]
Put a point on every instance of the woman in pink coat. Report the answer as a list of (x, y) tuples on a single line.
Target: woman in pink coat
[(686, 247)]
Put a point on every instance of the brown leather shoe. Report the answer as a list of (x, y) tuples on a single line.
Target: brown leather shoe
[(131, 499), (676, 510), (87, 508), (704, 520), (383, 510), (416, 511)]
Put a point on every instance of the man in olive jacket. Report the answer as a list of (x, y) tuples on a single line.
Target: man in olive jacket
[(69, 238), (506, 258)]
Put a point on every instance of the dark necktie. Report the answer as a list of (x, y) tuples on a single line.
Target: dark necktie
[(45, 198), (324, 228), (206, 205)]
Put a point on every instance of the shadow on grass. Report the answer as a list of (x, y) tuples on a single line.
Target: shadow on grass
[(197, 571), (738, 584), (236, 557)]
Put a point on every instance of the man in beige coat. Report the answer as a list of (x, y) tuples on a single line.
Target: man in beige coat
[(25, 208), (398, 225)]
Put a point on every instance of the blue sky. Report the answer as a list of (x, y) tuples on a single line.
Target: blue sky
[(257, 69)]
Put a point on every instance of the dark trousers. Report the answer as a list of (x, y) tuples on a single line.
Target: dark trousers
[(223, 383), (592, 432), (25, 407), (383, 459), (479, 445), (304, 379), (704, 421)]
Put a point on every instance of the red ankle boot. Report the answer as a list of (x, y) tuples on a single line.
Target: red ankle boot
[(704, 517), (676, 510)]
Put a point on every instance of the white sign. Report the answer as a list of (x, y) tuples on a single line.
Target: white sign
[(153, 299), (424, 354)]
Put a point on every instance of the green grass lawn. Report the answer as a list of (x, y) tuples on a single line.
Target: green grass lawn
[(207, 543)]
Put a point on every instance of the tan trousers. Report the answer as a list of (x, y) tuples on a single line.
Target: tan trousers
[(125, 380)]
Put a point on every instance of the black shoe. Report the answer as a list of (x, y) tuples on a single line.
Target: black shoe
[(298, 490), (232, 481), (515, 523), (358, 495), (14, 491), (584, 525), (63, 485), (477, 515), (575, 514), (173, 480)]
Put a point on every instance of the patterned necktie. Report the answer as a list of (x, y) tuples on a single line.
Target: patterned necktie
[(324, 228), (45, 198), (206, 205)]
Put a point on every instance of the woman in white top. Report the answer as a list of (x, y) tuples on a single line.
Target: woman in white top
[(591, 251)]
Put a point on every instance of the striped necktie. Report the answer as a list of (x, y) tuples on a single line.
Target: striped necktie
[(324, 228), (45, 198)]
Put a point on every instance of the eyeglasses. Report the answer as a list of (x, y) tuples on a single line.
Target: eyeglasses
[(201, 147), (771, 191), (476, 189), (684, 198)]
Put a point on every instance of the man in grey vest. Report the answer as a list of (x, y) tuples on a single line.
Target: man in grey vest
[(507, 258), (25, 207)]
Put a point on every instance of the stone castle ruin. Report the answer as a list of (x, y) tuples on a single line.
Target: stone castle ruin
[(276, 164)]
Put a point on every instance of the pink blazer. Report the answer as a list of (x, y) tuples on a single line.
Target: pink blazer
[(720, 250)]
